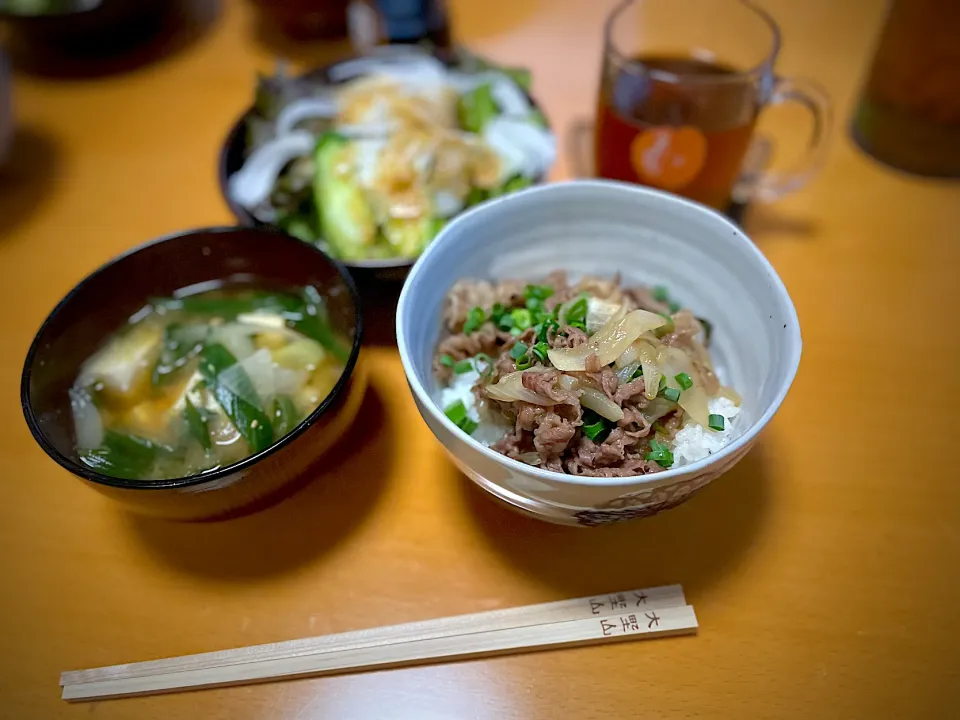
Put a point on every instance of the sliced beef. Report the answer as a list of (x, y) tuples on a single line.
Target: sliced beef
[(552, 435), (545, 383)]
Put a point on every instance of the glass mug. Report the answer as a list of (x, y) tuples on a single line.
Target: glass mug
[(682, 86)]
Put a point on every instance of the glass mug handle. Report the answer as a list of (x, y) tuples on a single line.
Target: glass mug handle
[(766, 186)]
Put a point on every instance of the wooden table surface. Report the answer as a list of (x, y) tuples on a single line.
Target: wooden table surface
[(823, 568)]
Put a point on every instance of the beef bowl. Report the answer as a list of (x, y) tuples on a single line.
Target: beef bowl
[(200, 375), (593, 351)]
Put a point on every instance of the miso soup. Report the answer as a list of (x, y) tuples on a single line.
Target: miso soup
[(200, 381)]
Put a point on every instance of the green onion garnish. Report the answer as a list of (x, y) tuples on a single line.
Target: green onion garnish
[(665, 329), (521, 318), (661, 294), (538, 292), (637, 373), (518, 350), (540, 351), (483, 363), (475, 318), (595, 427), (672, 394), (447, 361), (663, 383), (707, 331), (674, 306), (524, 362), (534, 304), (715, 422), (684, 380), (464, 366), (545, 327), (577, 314), (456, 411), (660, 454)]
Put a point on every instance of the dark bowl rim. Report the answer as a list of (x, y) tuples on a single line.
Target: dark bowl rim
[(236, 135), (88, 473), (15, 17)]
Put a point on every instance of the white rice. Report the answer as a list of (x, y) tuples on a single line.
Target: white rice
[(459, 389), (695, 442), (692, 443)]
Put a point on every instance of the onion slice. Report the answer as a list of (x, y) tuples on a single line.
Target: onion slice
[(603, 406), (609, 343), (303, 109), (254, 182), (510, 388)]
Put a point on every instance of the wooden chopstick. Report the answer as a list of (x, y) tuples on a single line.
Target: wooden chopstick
[(558, 611), (633, 625)]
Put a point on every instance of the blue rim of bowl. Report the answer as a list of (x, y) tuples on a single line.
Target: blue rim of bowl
[(245, 218), (793, 327), (200, 478)]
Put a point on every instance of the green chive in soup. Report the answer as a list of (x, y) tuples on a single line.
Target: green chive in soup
[(201, 381)]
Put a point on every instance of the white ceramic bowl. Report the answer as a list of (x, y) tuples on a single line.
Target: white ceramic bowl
[(650, 238)]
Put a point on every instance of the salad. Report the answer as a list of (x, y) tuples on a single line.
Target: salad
[(371, 162)]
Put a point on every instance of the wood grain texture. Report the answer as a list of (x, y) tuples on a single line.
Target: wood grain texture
[(823, 567), (429, 647)]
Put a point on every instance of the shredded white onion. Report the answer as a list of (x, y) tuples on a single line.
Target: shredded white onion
[(524, 148), (322, 106), (253, 183)]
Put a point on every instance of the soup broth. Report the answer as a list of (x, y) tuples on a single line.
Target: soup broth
[(203, 380)]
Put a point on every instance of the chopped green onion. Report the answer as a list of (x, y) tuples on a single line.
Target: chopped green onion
[(576, 315), (674, 306), (475, 318), (672, 394), (637, 373), (483, 363), (707, 331), (521, 318), (595, 427), (447, 361), (684, 380), (518, 350), (516, 332), (457, 412), (524, 362), (497, 312), (534, 304), (464, 366), (537, 292), (540, 351), (715, 422), (665, 329), (660, 454), (544, 329), (663, 383), (661, 294)]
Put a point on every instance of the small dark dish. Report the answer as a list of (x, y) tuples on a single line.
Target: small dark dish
[(84, 25), (232, 157), (105, 300)]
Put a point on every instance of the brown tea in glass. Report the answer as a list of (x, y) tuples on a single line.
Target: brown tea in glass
[(683, 84)]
